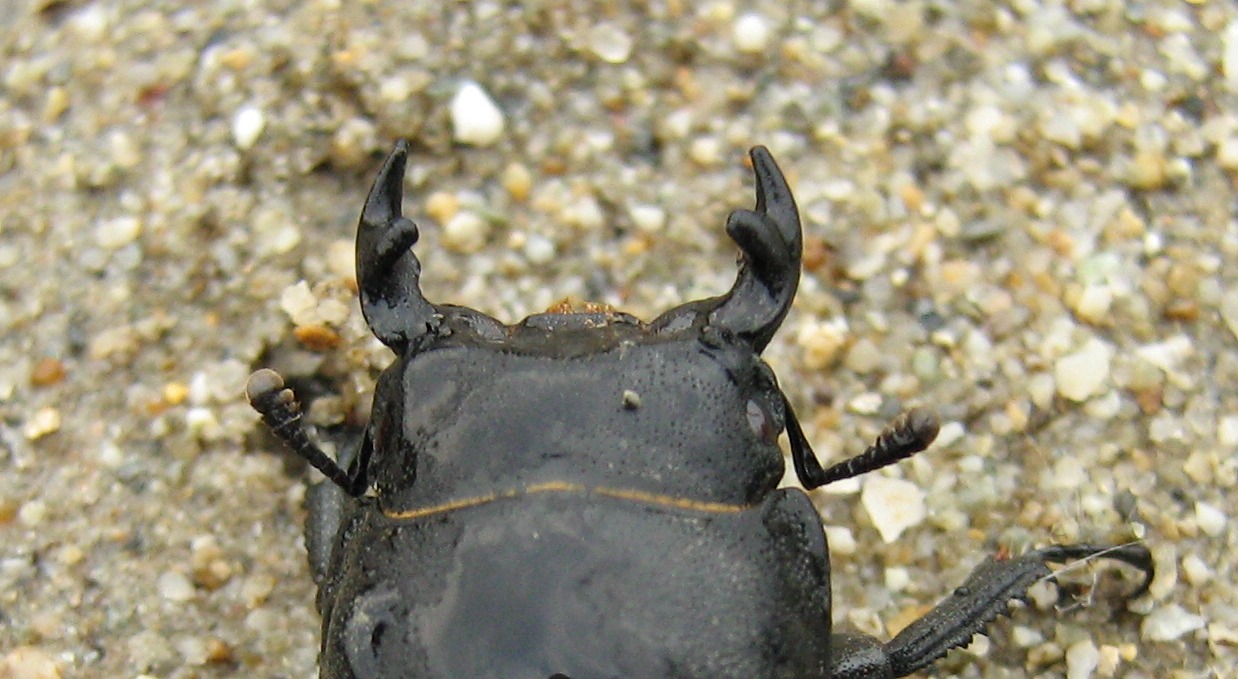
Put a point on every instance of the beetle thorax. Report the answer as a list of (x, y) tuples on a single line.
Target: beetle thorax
[(681, 419)]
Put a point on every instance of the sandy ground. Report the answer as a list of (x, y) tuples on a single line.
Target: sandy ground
[(1019, 213)]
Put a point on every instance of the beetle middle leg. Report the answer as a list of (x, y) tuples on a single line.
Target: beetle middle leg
[(967, 611)]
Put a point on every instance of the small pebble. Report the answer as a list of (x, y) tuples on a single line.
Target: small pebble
[(1227, 153), (893, 505), (1082, 658), (610, 43), (465, 232), (1210, 519), (1083, 374), (117, 232), (841, 540), (822, 342), (247, 126), (517, 181), (46, 420), (539, 249), (29, 662), (751, 33), (175, 586), (1170, 622), (475, 118), (1229, 54), (647, 218), (1196, 570), (46, 372)]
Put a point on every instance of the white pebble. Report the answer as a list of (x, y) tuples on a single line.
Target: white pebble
[(247, 126), (1083, 374), (475, 119), (867, 403), (584, 213), (1094, 302), (1170, 622), (46, 420), (175, 586), (897, 578), (1227, 153), (1210, 519), (1081, 659), (32, 513), (117, 232), (610, 43), (1196, 570), (299, 302), (841, 540), (751, 33), (647, 218), (465, 232), (539, 249), (29, 662), (1229, 54), (893, 505)]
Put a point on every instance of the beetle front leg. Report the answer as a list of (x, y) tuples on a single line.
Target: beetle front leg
[(281, 412), (969, 609)]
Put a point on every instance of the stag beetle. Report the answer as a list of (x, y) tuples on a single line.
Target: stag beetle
[(586, 495)]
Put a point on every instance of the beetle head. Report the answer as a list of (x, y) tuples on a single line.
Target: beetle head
[(769, 237)]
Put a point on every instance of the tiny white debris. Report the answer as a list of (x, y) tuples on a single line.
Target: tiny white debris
[(465, 232), (893, 505), (1082, 658), (1170, 622), (175, 586), (117, 232), (1210, 519), (1083, 374), (610, 43), (475, 119), (247, 126), (751, 33)]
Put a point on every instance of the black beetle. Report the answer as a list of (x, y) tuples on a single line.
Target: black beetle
[(586, 495)]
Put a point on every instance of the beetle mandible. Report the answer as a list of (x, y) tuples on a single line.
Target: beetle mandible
[(587, 495)]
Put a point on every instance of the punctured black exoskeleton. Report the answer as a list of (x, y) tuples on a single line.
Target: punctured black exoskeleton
[(586, 495)]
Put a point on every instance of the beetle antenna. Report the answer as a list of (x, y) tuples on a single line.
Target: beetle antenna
[(282, 414), (908, 434)]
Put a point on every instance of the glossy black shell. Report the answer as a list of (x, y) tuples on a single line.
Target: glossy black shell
[(579, 493)]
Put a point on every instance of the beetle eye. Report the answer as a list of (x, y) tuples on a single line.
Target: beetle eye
[(761, 422)]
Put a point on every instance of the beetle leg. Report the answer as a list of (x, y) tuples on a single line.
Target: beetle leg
[(966, 612), (281, 412), (908, 434)]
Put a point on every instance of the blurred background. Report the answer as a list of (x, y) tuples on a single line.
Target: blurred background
[(1018, 213)]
